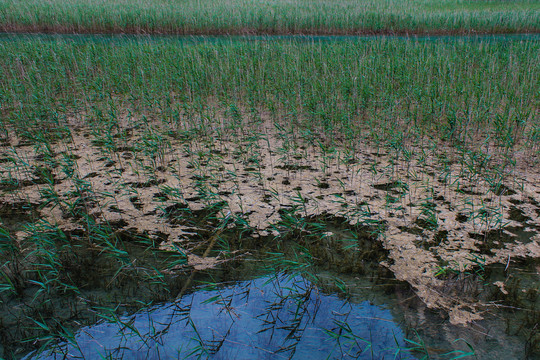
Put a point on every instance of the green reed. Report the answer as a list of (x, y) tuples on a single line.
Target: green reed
[(398, 95), (277, 17), (459, 90)]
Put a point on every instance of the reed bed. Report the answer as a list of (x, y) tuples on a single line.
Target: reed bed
[(460, 89), (271, 17), (158, 161)]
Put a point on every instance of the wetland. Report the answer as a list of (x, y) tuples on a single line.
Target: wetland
[(373, 199)]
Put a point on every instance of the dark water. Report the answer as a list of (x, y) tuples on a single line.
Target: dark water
[(286, 316), (271, 317)]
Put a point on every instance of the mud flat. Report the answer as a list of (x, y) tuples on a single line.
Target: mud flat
[(205, 202)]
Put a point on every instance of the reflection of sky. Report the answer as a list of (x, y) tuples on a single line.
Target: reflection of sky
[(266, 318)]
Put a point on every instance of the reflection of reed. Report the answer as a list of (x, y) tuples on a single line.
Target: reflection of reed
[(213, 240), (281, 316)]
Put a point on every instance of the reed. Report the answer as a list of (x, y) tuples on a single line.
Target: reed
[(196, 136), (280, 17)]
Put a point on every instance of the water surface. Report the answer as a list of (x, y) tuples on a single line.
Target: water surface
[(271, 317), (194, 39)]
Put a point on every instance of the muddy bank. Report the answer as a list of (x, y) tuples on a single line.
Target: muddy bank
[(447, 212)]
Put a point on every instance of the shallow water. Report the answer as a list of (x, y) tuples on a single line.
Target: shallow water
[(303, 316), (270, 317)]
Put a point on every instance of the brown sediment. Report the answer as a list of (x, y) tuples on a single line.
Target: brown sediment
[(261, 179)]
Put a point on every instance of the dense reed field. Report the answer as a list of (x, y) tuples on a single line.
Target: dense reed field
[(450, 90), (271, 17), (131, 168)]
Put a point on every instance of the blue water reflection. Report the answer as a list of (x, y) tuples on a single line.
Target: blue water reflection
[(266, 318)]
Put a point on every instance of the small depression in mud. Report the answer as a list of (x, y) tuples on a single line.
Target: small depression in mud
[(314, 290), (13, 216)]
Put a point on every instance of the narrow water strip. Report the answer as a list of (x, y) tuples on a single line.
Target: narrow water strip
[(104, 38)]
